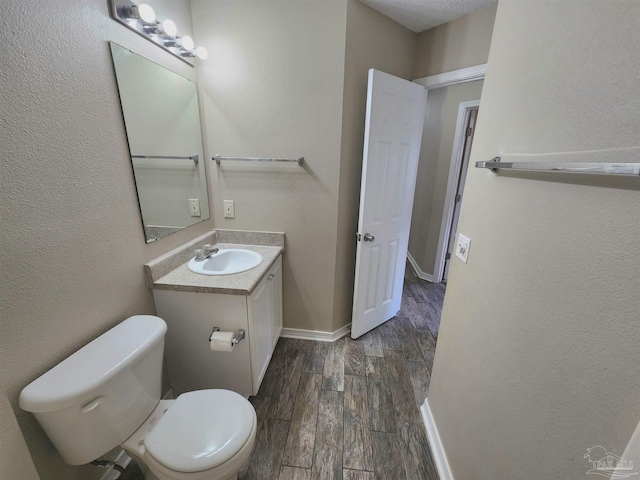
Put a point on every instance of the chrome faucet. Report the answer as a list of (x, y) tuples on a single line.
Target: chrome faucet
[(205, 252)]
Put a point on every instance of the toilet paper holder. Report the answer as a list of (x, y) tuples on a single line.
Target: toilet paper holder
[(236, 340)]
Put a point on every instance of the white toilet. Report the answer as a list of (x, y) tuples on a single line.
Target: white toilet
[(108, 394)]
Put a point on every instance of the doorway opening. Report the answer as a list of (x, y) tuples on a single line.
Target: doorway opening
[(451, 112), (392, 159)]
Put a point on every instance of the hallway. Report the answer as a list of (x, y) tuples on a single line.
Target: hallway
[(350, 409)]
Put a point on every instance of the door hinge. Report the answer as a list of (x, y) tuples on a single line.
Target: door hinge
[(458, 197), (359, 237), (469, 131), (447, 256)]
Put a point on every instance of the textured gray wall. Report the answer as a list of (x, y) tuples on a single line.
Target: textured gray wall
[(461, 43), (372, 41), (537, 357), (72, 247), (272, 87)]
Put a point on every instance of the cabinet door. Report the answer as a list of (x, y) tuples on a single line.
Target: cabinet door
[(190, 362), (276, 301), (259, 309)]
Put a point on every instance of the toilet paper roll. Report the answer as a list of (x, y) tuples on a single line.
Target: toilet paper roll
[(222, 342)]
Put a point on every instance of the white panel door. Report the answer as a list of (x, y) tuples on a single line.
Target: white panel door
[(393, 132)]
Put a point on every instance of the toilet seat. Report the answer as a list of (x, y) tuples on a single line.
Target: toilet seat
[(201, 430), (225, 471), (194, 408)]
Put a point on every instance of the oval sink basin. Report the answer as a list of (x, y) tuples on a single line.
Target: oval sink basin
[(226, 262)]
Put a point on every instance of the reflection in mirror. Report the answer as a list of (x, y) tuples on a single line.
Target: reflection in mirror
[(160, 110)]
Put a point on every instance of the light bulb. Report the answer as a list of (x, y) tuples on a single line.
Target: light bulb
[(146, 13), (187, 43), (202, 53), (169, 28)]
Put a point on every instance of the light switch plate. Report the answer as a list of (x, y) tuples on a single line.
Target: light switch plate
[(229, 209), (194, 207), (462, 247)]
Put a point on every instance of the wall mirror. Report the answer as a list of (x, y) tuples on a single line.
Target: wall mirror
[(162, 121)]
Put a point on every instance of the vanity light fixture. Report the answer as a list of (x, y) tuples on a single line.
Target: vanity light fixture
[(166, 29), (153, 29), (188, 49), (142, 20), (199, 52), (133, 12)]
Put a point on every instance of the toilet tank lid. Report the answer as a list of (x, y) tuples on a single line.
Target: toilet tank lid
[(80, 376)]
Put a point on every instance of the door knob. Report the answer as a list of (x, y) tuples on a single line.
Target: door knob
[(368, 237)]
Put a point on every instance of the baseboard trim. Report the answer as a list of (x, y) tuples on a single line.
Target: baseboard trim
[(437, 449), (317, 335), (424, 276)]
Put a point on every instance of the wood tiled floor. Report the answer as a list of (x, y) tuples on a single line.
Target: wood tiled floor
[(349, 410)]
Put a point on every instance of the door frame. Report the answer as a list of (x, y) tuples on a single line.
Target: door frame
[(446, 79), (457, 159)]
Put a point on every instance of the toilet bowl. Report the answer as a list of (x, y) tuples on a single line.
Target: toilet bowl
[(107, 394), (202, 435)]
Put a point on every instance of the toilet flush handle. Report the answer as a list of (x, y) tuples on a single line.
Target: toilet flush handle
[(91, 405)]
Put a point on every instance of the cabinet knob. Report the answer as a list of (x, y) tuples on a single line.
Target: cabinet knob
[(270, 277)]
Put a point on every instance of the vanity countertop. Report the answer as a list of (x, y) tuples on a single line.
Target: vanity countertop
[(243, 283)]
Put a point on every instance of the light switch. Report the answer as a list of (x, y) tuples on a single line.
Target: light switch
[(462, 247), (194, 207), (229, 209)]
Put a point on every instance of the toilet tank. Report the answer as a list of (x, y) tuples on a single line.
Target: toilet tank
[(95, 399)]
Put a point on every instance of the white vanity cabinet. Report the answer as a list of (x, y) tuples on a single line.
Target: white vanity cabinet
[(265, 321), (190, 318), (276, 299)]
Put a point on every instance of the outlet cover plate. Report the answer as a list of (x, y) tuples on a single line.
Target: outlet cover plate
[(194, 207), (229, 209), (462, 247)]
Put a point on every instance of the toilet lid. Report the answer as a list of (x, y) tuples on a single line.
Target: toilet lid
[(201, 430)]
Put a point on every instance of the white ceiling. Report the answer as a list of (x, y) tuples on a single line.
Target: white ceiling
[(420, 15)]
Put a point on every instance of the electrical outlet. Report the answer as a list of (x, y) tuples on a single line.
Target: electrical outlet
[(462, 247), (229, 209), (194, 207)]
